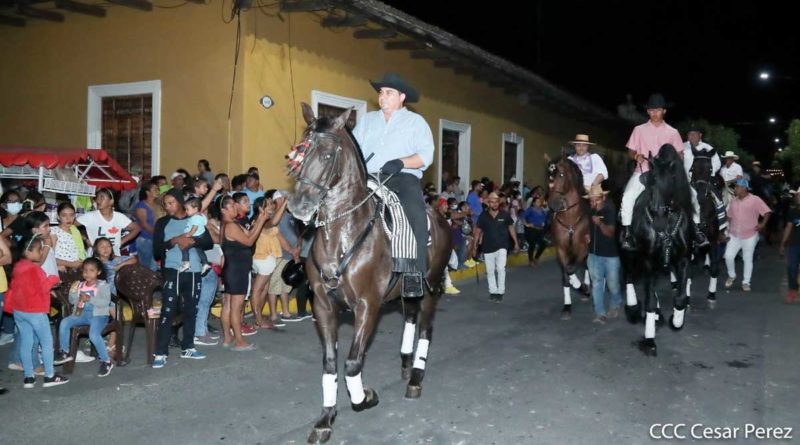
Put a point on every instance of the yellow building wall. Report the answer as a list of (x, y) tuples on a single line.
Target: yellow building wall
[(48, 68)]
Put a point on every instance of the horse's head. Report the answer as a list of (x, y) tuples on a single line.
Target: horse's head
[(565, 178), (316, 162), (668, 181)]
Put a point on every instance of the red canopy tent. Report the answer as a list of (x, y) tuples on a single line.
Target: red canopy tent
[(67, 170)]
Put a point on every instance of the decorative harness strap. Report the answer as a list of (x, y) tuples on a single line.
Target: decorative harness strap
[(570, 229), (333, 282)]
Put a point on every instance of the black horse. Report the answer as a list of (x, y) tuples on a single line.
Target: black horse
[(661, 224), (350, 264), (708, 197)]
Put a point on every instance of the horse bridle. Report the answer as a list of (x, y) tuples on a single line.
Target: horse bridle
[(308, 146), (563, 196)]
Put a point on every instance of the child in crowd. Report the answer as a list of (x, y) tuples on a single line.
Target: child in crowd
[(38, 223), (70, 249), (104, 251), (195, 226), (92, 301), (29, 299)]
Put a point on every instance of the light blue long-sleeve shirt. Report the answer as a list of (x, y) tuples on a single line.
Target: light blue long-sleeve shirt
[(406, 134)]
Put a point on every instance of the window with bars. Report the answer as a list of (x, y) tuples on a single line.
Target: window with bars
[(127, 131)]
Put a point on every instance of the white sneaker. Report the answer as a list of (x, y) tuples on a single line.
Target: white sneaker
[(6, 339), (729, 282), (80, 357)]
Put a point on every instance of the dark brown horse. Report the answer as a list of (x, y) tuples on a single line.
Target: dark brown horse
[(570, 226), (350, 263)]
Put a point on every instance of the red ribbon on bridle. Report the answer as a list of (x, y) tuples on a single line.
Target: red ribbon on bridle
[(297, 155)]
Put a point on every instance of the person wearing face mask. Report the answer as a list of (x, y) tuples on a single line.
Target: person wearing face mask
[(11, 223)]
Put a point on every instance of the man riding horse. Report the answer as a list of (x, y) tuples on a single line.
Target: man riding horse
[(646, 140), (399, 142)]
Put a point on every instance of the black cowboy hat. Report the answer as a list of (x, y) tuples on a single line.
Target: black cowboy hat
[(656, 100), (695, 127), (393, 80), (294, 273)]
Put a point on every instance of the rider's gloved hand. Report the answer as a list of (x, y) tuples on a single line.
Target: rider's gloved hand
[(392, 167)]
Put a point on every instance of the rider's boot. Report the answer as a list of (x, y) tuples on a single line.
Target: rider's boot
[(413, 285), (628, 241)]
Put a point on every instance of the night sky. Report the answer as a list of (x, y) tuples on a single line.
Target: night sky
[(704, 56)]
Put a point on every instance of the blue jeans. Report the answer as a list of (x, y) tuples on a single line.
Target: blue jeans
[(207, 292), (144, 249), (605, 272), (96, 326), (15, 356), (793, 262), (34, 325)]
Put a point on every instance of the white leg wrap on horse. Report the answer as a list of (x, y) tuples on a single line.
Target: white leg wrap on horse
[(650, 325), (672, 277), (574, 281), (355, 388), (677, 317), (688, 287), (329, 387), (630, 294), (422, 353), (567, 296), (712, 284), (407, 347), (708, 260), (587, 280)]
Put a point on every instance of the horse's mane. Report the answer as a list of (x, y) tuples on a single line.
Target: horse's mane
[(576, 176), (676, 189)]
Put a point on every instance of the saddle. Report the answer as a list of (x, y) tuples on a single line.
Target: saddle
[(396, 227)]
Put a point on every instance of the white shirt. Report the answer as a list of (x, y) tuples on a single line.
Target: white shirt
[(688, 157), (730, 173), (591, 165), (99, 227), (406, 134)]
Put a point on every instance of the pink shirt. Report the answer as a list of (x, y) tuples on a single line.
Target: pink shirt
[(743, 215), (647, 139)]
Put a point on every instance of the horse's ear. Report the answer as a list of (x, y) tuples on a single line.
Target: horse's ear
[(547, 158), (341, 121), (308, 113)]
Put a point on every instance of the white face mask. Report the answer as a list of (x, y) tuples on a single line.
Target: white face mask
[(14, 207)]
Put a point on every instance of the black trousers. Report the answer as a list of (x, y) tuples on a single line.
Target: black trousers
[(536, 244), (181, 292), (408, 190), (304, 294)]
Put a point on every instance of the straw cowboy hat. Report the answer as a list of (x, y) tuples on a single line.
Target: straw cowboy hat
[(393, 80), (730, 154), (595, 190), (582, 139)]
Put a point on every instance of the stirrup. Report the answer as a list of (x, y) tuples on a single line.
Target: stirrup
[(700, 238), (412, 285)]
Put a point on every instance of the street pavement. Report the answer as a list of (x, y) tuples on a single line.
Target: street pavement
[(508, 373)]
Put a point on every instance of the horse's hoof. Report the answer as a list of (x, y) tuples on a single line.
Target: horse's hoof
[(648, 347), (566, 312), (320, 435), (405, 373), (370, 400), (413, 392), (633, 313), (672, 324), (585, 292), (712, 304)]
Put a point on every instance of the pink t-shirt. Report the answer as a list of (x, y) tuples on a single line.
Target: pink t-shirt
[(647, 139), (743, 215)]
